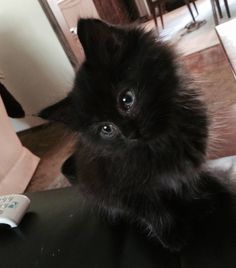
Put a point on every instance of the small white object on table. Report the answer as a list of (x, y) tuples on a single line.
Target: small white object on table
[(227, 35)]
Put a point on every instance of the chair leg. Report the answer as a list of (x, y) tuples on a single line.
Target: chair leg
[(195, 6), (227, 8), (190, 10), (214, 12), (153, 11), (161, 13), (219, 8)]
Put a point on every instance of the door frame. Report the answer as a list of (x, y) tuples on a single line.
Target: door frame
[(61, 29)]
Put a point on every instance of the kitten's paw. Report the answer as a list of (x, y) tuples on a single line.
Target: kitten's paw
[(174, 240), (114, 215), (173, 244)]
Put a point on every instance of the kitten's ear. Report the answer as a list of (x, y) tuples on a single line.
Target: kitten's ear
[(97, 38), (59, 112)]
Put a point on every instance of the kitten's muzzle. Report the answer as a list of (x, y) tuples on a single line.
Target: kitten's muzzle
[(133, 135), (131, 131)]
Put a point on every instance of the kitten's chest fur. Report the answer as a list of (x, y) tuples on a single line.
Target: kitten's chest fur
[(168, 206)]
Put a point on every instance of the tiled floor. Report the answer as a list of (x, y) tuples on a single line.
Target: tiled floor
[(207, 64)]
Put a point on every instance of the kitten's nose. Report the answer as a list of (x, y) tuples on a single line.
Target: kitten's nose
[(130, 130)]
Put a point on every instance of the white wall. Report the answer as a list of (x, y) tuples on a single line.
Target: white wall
[(36, 69)]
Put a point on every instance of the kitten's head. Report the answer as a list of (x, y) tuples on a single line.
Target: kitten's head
[(124, 96), (130, 104)]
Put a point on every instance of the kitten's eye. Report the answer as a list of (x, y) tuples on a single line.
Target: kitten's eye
[(127, 100), (108, 131)]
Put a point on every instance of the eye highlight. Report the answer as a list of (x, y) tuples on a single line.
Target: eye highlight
[(127, 100)]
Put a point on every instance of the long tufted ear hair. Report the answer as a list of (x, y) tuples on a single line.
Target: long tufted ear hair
[(100, 41)]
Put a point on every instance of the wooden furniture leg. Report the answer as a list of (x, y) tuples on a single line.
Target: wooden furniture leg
[(227, 8), (190, 10), (194, 4), (153, 11), (160, 7), (219, 8), (214, 12)]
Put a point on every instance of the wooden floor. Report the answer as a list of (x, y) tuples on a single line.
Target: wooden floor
[(53, 144)]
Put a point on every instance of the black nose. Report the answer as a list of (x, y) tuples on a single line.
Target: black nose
[(130, 130), (134, 135)]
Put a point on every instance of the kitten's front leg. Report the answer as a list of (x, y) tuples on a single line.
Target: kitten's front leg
[(114, 214), (171, 234)]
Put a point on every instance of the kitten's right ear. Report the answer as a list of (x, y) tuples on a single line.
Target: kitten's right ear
[(59, 112)]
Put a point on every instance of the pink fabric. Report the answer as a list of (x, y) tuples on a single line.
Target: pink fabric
[(17, 164)]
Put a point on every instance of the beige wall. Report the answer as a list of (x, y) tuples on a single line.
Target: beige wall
[(35, 68)]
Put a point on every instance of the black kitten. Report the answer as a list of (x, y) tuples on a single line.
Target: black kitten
[(143, 133)]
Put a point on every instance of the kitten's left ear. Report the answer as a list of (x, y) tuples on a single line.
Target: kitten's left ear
[(59, 112), (98, 38)]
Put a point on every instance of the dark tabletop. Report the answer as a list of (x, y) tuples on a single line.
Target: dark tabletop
[(62, 230)]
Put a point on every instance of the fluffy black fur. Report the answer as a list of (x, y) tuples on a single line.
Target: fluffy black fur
[(143, 134)]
